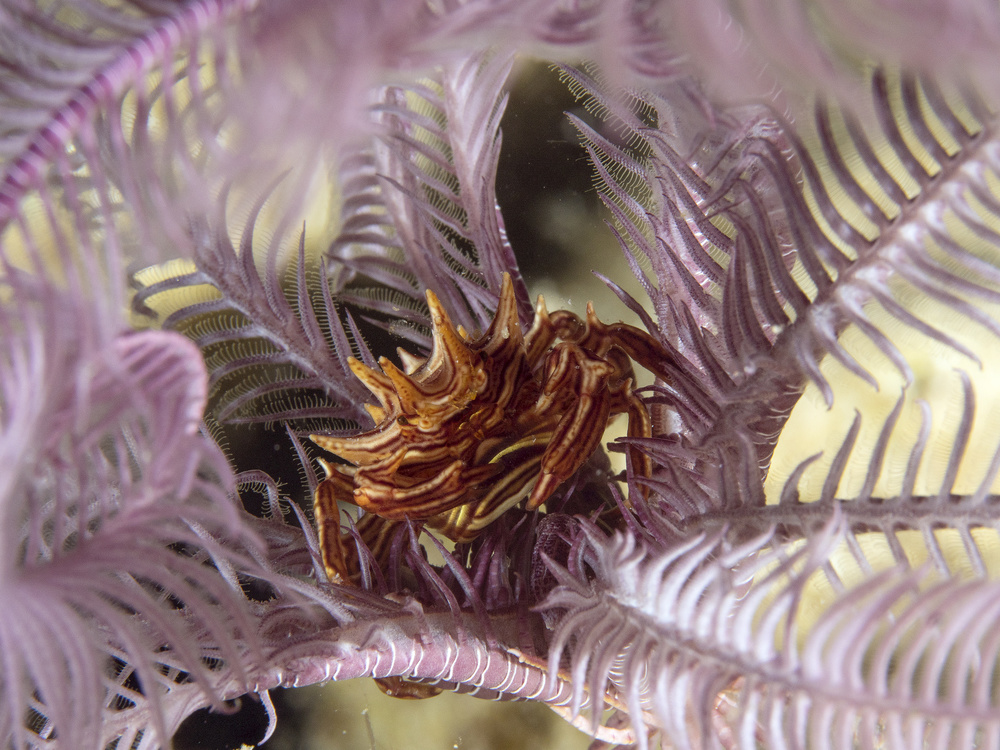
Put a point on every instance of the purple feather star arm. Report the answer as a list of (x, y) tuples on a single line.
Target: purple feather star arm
[(119, 514)]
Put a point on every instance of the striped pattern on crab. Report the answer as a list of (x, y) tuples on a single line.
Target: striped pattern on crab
[(464, 434)]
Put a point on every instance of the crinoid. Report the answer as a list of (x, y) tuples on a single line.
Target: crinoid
[(462, 435)]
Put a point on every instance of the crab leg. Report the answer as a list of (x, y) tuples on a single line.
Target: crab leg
[(580, 429), (465, 522), (336, 487), (441, 492)]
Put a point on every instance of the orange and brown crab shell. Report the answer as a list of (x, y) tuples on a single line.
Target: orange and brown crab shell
[(461, 435)]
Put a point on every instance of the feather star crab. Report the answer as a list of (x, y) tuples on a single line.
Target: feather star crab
[(465, 434)]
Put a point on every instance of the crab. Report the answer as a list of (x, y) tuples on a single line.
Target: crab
[(464, 435)]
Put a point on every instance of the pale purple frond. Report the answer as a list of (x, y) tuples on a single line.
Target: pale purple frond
[(760, 329), (51, 55), (969, 515), (747, 50), (706, 644), (271, 336), (119, 518), (427, 208)]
